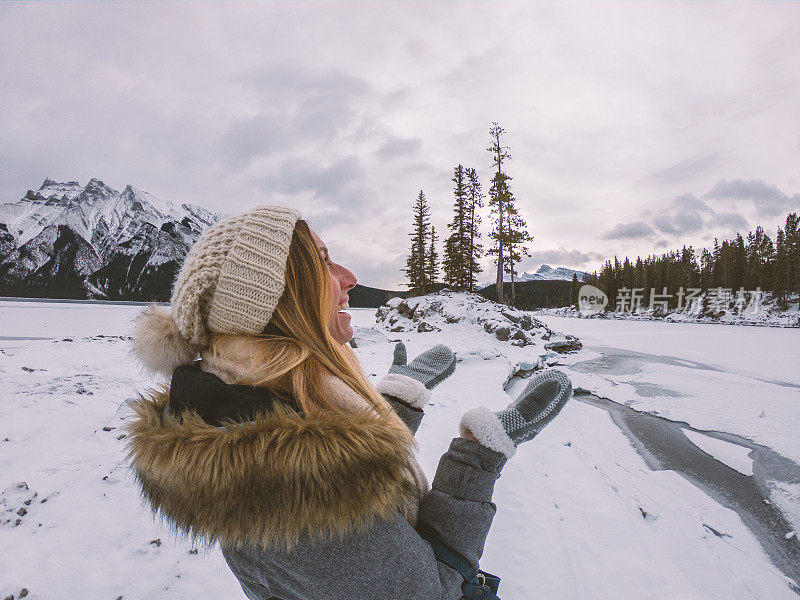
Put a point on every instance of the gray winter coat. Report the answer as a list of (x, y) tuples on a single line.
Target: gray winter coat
[(305, 506)]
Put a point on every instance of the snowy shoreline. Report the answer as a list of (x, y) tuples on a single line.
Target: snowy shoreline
[(787, 319)]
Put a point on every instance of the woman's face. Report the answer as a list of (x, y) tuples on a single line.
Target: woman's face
[(342, 281)]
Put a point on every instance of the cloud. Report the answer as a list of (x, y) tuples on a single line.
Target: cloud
[(730, 220), (679, 223), (251, 137), (625, 231), (396, 146), (768, 199), (307, 106), (302, 79), (322, 116), (685, 171), (284, 108), (562, 257), (298, 175), (685, 214), (329, 195)]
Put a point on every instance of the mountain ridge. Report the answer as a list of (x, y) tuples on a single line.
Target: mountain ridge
[(65, 240), (544, 273)]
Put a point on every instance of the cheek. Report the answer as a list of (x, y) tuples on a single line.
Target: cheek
[(334, 290)]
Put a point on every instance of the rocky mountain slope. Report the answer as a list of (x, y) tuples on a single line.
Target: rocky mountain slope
[(65, 240)]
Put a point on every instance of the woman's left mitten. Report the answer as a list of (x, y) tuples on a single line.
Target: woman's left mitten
[(542, 399)]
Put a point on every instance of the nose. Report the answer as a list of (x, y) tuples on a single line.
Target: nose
[(347, 280)]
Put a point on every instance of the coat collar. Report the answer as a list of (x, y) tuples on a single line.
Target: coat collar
[(213, 400), (275, 477)]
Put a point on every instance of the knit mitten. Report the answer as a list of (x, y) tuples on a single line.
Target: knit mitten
[(412, 382), (536, 406)]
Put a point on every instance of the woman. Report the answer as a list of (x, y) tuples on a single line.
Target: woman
[(276, 445)]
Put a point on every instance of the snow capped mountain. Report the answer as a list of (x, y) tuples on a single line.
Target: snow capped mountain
[(544, 273), (68, 240)]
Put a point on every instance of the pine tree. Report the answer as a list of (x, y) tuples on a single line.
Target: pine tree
[(781, 268), (575, 289), (706, 269), (518, 237), (767, 257), (456, 266), (432, 260), (509, 231), (416, 262), (474, 202), (739, 277), (498, 203), (717, 276), (497, 198), (792, 234), (760, 259), (689, 269)]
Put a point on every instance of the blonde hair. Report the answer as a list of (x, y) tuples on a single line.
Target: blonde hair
[(296, 347)]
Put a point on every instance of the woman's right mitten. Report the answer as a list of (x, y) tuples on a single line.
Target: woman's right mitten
[(503, 431)]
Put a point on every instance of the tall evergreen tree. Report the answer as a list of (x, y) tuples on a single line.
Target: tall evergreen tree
[(518, 237), (792, 233), (498, 203), (689, 271), (474, 202), (574, 293), (509, 231), (739, 276), (706, 269), (497, 199), (456, 266), (781, 269), (416, 262), (760, 258), (718, 278), (432, 260)]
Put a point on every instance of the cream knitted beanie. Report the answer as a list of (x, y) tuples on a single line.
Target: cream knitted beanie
[(230, 282)]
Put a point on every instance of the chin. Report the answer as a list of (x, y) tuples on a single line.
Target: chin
[(341, 333), (345, 336)]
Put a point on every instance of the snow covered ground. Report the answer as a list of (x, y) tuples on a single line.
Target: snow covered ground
[(580, 514)]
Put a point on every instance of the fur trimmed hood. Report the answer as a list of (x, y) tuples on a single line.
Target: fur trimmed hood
[(273, 479)]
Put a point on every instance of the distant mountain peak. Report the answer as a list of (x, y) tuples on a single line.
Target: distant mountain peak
[(543, 273), (126, 244), (94, 182), (56, 186)]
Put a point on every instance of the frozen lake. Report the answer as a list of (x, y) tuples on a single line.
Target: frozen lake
[(763, 352)]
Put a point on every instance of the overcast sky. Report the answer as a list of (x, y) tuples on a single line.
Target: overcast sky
[(633, 127)]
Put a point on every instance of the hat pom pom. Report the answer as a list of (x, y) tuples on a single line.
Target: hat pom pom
[(157, 343)]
